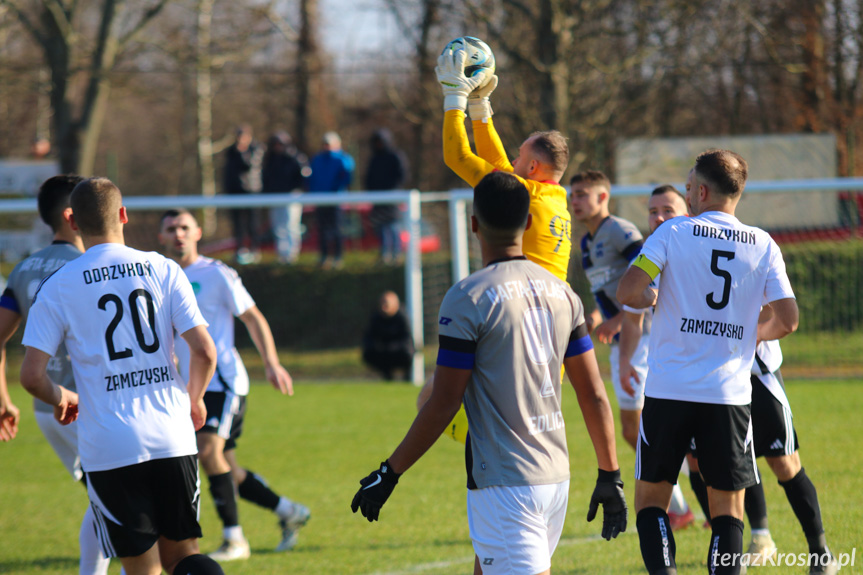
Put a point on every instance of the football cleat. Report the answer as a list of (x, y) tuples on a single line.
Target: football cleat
[(680, 521), (761, 549), (832, 568), (291, 524), (231, 550)]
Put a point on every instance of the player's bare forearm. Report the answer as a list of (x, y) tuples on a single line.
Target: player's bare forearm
[(583, 372), (630, 334), (433, 417), (262, 337), (634, 289), (783, 321), (457, 154), (34, 377), (202, 361), (261, 334)]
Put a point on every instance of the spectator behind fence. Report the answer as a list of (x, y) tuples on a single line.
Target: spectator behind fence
[(387, 341), (243, 176), (386, 171), (332, 171), (282, 172)]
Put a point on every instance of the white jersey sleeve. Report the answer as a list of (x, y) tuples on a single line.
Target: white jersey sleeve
[(46, 329), (778, 285)]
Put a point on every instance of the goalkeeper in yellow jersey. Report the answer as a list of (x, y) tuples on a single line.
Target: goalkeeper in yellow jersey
[(541, 162)]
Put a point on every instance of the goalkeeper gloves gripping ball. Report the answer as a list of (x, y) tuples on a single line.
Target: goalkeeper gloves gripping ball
[(374, 491), (609, 493), (455, 85), (478, 103)]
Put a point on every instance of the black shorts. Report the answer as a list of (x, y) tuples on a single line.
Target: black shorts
[(723, 434), (225, 414), (137, 504), (772, 422)]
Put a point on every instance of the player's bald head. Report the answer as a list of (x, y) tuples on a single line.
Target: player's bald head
[(96, 204), (723, 170), (501, 204)]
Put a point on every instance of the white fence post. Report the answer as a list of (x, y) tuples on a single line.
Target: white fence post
[(414, 284)]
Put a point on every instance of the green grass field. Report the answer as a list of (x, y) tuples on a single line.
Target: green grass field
[(315, 446)]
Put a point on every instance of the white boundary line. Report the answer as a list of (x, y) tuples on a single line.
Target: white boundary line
[(422, 567)]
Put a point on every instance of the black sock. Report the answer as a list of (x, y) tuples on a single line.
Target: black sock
[(255, 489), (726, 546), (700, 490), (756, 507), (222, 490), (657, 541), (198, 565), (803, 498)]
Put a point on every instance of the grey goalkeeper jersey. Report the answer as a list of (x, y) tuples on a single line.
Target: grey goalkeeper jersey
[(512, 323), (18, 296)]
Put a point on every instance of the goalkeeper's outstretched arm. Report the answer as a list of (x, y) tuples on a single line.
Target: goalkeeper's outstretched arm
[(457, 153), (488, 145)]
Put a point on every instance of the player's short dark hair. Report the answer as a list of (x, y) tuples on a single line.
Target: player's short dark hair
[(173, 213), (667, 189), (501, 203), (726, 170), (591, 178), (53, 198), (95, 205), (552, 149)]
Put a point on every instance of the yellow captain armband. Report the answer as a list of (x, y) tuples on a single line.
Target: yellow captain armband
[(650, 268)]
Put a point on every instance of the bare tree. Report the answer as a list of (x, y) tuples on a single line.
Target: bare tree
[(58, 28)]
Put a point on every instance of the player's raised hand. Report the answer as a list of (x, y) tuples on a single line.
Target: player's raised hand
[(455, 85), (609, 493), (374, 491), (9, 418), (280, 379), (67, 410), (478, 102)]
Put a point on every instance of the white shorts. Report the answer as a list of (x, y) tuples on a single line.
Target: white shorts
[(64, 441), (639, 362), (515, 530)]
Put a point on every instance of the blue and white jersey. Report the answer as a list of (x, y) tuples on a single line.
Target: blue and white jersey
[(605, 257)]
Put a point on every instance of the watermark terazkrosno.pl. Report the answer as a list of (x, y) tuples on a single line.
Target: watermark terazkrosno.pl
[(784, 559)]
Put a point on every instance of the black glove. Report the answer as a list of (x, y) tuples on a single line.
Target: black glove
[(375, 490), (609, 492)]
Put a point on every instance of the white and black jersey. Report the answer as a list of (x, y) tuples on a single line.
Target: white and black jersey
[(221, 296), (512, 323), (117, 308), (716, 272)]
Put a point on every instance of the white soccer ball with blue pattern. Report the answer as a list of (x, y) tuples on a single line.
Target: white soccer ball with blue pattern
[(478, 56)]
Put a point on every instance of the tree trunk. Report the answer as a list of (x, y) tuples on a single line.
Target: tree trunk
[(308, 64), (204, 101)]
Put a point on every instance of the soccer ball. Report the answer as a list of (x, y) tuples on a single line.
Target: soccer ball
[(478, 56)]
